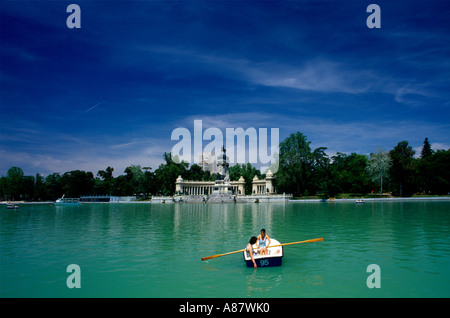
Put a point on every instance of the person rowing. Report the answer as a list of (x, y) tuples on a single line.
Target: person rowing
[(249, 249)]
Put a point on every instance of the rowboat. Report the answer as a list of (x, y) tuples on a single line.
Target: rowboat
[(274, 256), (12, 207)]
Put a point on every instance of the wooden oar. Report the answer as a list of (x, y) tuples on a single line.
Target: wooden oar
[(218, 255), (307, 241)]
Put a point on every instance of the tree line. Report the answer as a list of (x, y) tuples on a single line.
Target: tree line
[(136, 180), (302, 172)]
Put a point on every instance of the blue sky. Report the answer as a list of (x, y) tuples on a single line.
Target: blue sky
[(112, 92)]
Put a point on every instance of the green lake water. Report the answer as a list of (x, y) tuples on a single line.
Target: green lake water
[(155, 250)]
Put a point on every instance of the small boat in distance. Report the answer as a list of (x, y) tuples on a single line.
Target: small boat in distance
[(67, 201), (10, 206), (274, 256), (360, 201)]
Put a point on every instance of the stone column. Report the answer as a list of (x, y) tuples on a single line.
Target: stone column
[(269, 181)]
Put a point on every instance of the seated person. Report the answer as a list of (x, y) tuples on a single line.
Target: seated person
[(263, 242)]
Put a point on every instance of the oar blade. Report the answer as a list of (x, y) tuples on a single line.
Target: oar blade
[(209, 257), (218, 255), (307, 241)]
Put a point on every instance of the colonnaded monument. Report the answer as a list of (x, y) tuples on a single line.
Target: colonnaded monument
[(222, 190)]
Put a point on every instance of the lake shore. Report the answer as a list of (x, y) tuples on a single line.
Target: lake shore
[(373, 199), (292, 200)]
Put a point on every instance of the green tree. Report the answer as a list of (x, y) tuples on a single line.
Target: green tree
[(122, 186), (53, 187), (77, 182), (15, 183), (349, 174), (149, 182), (195, 173), (403, 169), (320, 172), (294, 166), (434, 173), (426, 149), (39, 188), (167, 173), (425, 167), (105, 184), (3, 188), (440, 164), (135, 177), (28, 188), (378, 166), (247, 171)]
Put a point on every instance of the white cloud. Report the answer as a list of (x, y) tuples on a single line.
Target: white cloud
[(314, 75), (439, 146), (411, 94), (318, 75)]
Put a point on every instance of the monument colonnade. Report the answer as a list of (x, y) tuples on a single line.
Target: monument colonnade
[(259, 186)]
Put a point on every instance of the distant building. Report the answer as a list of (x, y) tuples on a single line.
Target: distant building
[(259, 186), (223, 186), (264, 186)]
